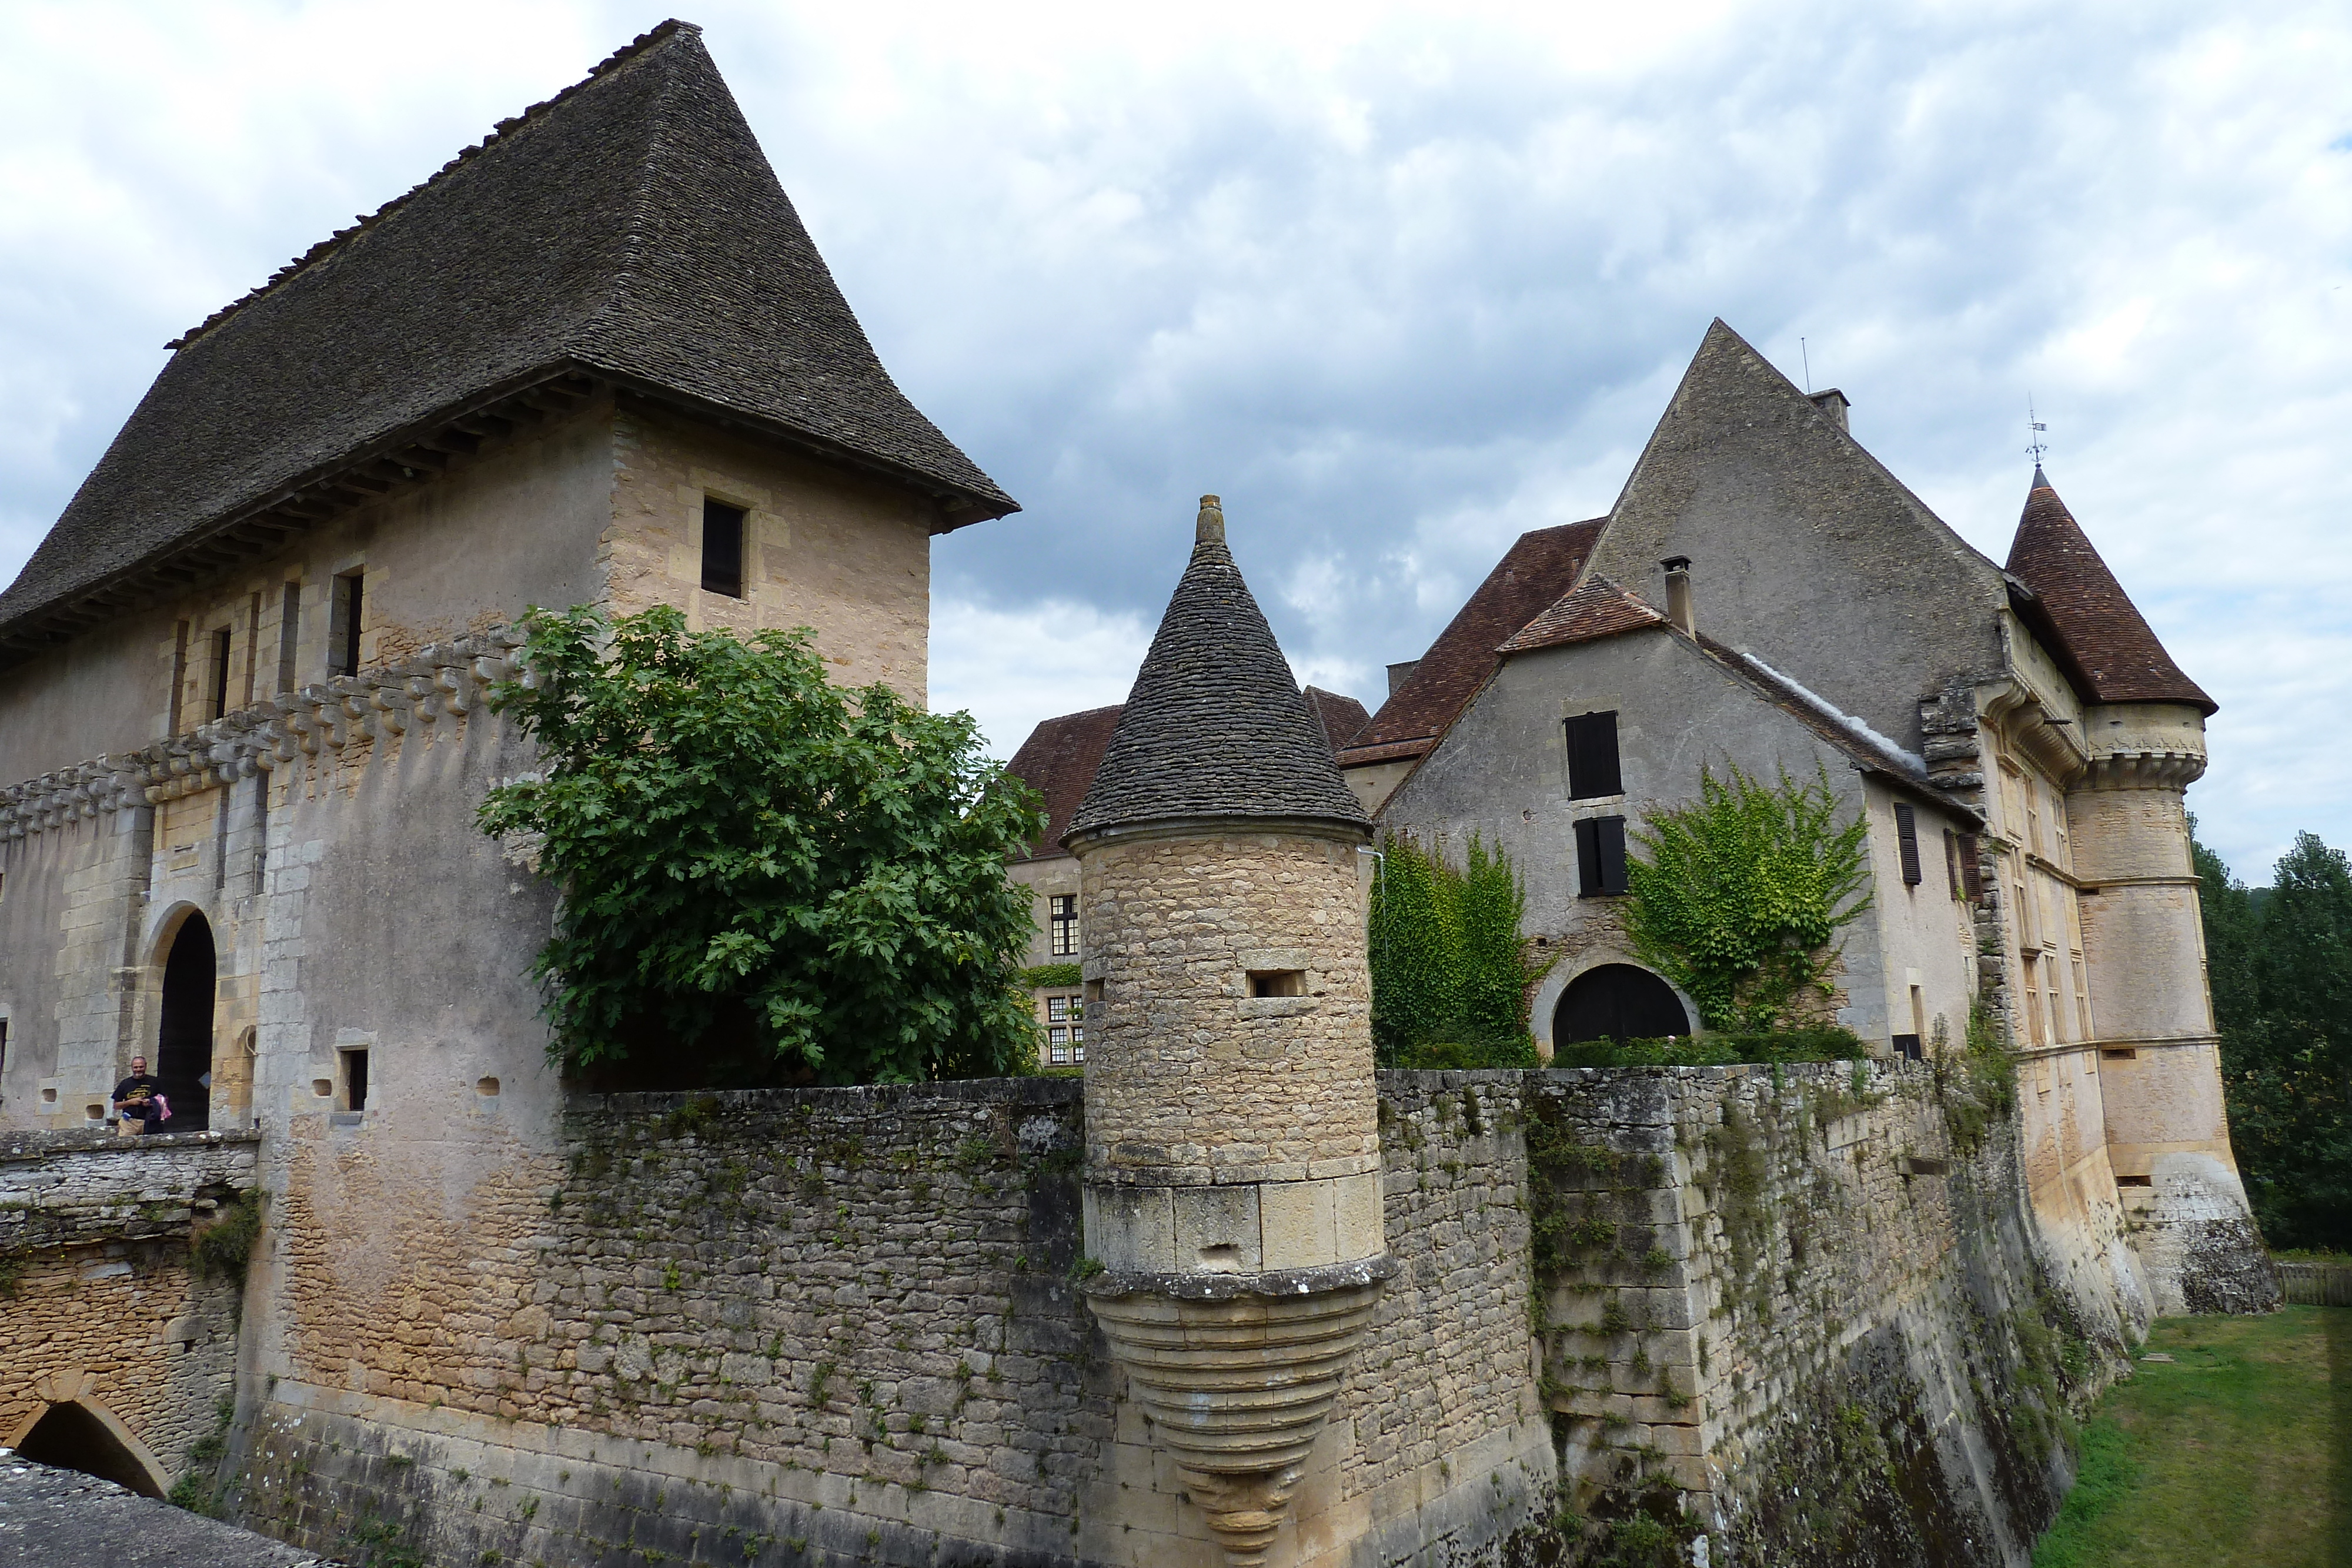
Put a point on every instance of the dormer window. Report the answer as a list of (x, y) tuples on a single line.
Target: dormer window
[(722, 549)]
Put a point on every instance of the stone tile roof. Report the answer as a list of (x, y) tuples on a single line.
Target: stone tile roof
[(1058, 760), (2102, 631), (1539, 568), (1216, 725), (629, 227), (1593, 608)]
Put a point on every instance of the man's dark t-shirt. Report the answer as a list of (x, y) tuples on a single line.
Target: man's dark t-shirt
[(136, 1095)]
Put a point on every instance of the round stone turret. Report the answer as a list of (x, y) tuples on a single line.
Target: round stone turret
[(1233, 1188)]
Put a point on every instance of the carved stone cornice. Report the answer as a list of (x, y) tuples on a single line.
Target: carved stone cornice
[(2144, 770), (444, 680)]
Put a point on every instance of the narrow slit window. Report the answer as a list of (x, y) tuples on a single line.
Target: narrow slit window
[(355, 1081), (1952, 862), (343, 641), (1600, 856), (722, 549), (1906, 841), (1971, 871), (1592, 770), (218, 704), (289, 636), (179, 671)]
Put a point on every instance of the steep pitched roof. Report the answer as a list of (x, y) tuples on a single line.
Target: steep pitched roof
[(1216, 725), (2110, 641), (1540, 567), (1340, 718), (1592, 609), (628, 228), (1058, 760)]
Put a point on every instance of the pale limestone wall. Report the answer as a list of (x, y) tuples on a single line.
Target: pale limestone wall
[(1174, 926), (840, 1326), (1043, 878), (1925, 937), (848, 555), (94, 1234)]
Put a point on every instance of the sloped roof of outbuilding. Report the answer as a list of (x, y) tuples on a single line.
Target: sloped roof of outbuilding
[(1058, 760), (629, 227), (2111, 642), (1540, 566), (1340, 718), (1216, 725), (1593, 608)]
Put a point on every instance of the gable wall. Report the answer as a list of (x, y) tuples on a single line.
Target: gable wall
[(1803, 549), (1502, 771)]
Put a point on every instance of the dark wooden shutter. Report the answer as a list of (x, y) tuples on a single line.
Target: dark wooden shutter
[(1971, 874), (1588, 857), (1609, 833), (1952, 860), (722, 549), (1906, 841), (1592, 757)]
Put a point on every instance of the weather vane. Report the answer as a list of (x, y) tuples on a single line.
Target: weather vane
[(2036, 447)]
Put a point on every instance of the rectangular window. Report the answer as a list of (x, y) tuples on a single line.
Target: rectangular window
[(179, 673), (1600, 856), (1908, 1047), (343, 620), (1907, 843), (2036, 1022), (1592, 770), (1078, 1044), (1058, 1047), (722, 549), (290, 635), (1277, 982), (1952, 862), (1063, 924), (355, 1079), (1971, 870), (216, 700)]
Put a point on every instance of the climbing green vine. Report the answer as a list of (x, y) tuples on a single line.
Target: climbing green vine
[(1450, 974), (1738, 897)]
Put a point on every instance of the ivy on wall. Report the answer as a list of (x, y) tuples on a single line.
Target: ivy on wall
[(1737, 898), (1450, 974)]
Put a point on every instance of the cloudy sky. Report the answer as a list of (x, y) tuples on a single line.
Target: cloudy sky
[(1400, 283)]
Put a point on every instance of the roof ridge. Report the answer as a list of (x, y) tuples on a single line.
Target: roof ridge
[(501, 132)]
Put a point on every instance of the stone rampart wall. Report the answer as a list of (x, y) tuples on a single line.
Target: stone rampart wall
[(837, 1326), (101, 1304)]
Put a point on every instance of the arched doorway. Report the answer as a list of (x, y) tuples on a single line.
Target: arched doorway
[(78, 1436), (1617, 1001), (183, 1045)]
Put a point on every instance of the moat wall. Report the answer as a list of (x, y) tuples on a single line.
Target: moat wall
[(1799, 1313)]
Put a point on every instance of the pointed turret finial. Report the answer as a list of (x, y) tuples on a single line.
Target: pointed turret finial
[(1211, 527), (2041, 480)]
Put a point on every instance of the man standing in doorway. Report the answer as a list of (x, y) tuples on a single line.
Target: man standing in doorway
[(139, 1098)]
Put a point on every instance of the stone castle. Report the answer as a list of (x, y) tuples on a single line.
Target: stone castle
[(1233, 1296)]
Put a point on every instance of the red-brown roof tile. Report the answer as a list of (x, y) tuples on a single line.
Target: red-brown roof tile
[(1594, 608), (1340, 718), (1531, 576), (2102, 629), (1058, 760)]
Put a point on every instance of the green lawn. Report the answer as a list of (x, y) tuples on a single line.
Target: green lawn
[(2236, 1455)]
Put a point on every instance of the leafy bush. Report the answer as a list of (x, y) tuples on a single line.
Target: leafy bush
[(224, 1248), (1720, 1050), (1450, 973), (763, 877), (1742, 895), (1045, 974)]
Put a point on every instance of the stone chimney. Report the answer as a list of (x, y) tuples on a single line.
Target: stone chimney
[(1678, 593), (1833, 403), (1232, 1196)]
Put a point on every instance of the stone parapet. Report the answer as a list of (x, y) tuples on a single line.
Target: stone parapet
[(89, 1188)]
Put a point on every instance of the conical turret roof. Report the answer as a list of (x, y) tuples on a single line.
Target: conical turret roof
[(2103, 629), (628, 228), (1215, 726)]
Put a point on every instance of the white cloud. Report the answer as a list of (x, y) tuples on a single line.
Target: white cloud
[(1399, 282)]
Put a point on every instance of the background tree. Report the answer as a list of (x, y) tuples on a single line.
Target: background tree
[(2281, 969), (763, 877), (1741, 895)]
